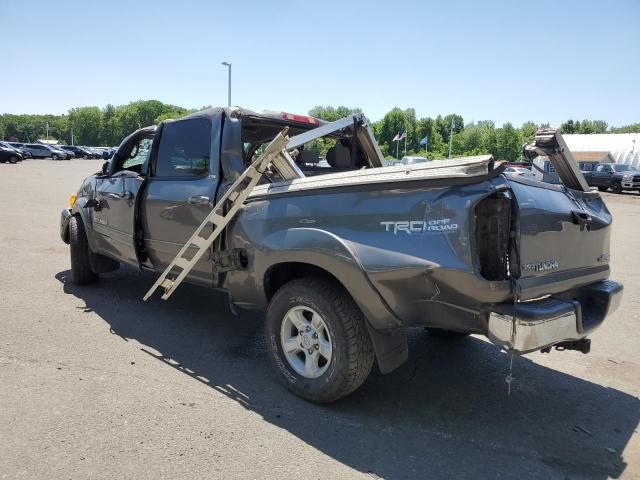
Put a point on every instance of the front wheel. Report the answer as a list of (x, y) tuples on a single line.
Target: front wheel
[(13, 159), (81, 271), (616, 188), (317, 339), (54, 157)]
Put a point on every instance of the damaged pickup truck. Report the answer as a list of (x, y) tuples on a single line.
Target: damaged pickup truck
[(346, 257)]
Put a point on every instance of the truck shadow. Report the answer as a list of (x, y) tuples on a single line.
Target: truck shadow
[(444, 414)]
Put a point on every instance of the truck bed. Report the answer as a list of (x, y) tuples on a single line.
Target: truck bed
[(462, 169)]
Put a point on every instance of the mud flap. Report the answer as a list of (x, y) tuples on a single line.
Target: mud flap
[(390, 347)]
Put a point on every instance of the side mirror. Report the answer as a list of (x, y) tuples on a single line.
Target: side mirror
[(92, 203), (105, 168)]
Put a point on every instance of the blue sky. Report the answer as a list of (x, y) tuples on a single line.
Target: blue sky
[(507, 61)]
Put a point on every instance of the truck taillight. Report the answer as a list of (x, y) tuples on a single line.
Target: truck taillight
[(493, 233), (300, 118)]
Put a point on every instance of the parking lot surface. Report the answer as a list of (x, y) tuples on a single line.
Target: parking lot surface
[(96, 383)]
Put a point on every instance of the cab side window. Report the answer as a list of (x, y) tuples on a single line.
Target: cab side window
[(137, 155), (184, 149)]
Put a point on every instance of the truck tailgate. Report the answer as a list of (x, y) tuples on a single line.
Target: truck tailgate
[(564, 237)]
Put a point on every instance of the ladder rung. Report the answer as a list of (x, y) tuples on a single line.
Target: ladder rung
[(181, 262), (216, 219)]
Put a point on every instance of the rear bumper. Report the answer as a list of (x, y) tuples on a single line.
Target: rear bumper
[(530, 326), (65, 216)]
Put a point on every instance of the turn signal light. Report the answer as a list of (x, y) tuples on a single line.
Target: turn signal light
[(72, 200)]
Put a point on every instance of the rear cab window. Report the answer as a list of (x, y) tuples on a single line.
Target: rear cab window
[(331, 154)]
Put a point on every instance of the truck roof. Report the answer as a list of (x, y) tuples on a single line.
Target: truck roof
[(285, 118)]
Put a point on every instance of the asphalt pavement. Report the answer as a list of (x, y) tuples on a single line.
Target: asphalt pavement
[(96, 383)]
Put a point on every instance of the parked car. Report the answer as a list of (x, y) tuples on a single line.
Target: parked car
[(79, 152), (23, 153), (68, 154), (10, 155), (523, 172), (44, 151), (614, 176), (93, 152), (344, 262), (103, 152)]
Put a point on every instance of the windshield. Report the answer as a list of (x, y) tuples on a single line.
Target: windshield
[(622, 168)]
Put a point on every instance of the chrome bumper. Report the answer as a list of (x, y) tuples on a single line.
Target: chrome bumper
[(530, 326)]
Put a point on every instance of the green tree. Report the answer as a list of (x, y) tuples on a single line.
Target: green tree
[(87, 125), (528, 131), (508, 143), (633, 128)]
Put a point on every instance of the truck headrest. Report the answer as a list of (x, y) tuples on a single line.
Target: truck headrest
[(339, 156)]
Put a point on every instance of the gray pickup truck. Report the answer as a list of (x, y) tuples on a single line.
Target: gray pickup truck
[(346, 258), (614, 176)]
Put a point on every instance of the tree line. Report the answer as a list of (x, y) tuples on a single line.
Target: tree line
[(109, 125), (91, 126), (473, 138)]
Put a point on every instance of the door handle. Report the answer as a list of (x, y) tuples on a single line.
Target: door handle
[(127, 195), (198, 200)]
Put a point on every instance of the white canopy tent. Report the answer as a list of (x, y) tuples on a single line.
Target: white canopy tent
[(623, 147)]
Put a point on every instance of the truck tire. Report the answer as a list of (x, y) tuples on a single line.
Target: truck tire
[(317, 339), (81, 272), (616, 187)]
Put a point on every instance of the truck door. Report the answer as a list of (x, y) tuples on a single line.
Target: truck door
[(117, 195), (602, 176), (181, 191)]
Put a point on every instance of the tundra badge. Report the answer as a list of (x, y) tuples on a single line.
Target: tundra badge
[(541, 266)]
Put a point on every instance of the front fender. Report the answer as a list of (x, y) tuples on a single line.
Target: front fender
[(65, 216), (79, 208)]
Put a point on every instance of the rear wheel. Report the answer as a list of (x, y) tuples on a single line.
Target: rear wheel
[(318, 340), (616, 188), (602, 189), (81, 272)]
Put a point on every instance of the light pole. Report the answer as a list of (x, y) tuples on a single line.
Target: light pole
[(451, 137), (227, 64)]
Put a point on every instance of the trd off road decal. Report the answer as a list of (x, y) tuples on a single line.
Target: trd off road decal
[(419, 227)]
